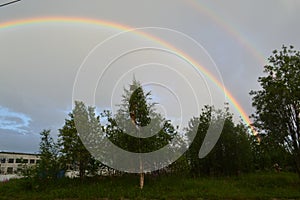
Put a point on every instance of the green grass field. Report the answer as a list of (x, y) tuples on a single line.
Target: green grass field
[(249, 186)]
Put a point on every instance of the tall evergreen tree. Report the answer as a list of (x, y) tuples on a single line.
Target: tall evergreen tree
[(137, 127)]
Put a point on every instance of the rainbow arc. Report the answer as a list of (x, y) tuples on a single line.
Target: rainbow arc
[(121, 27)]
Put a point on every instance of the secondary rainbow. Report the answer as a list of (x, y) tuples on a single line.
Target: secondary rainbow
[(229, 28), (76, 20)]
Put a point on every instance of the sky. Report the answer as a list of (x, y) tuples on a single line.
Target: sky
[(176, 49)]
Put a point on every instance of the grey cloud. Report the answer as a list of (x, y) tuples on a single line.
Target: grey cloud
[(39, 62)]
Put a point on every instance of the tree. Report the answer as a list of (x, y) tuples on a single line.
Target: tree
[(74, 153), (200, 126), (277, 104), (48, 166), (231, 154), (136, 127), (266, 155)]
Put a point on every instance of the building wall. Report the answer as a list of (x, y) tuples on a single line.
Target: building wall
[(12, 163)]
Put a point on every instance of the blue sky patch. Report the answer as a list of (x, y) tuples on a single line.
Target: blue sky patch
[(14, 121)]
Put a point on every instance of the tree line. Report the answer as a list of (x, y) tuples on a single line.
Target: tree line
[(275, 147)]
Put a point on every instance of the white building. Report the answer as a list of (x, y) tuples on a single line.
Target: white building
[(12, 163)]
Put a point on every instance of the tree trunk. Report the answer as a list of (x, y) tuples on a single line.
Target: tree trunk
[(142, 177), (141, 174)]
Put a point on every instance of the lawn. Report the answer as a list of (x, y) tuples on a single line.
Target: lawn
[(249, 186)]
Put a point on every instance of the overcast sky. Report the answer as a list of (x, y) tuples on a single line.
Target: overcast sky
[(39, 62)]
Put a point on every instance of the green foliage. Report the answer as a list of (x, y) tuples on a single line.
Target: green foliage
[(249, 186), (200, 126), (179, 167), (277, 104), (139, 109), (136, 127), (133, 119), (48, 166), (74, 155), (265, 156), (90, 132), (231, 154)]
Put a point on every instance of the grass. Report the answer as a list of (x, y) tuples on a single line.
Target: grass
[(249, 186)]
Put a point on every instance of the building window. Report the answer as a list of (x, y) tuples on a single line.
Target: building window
[(3, 160), (31, 161), (10, 170), (25, 161), (10, 160), (18, 160)]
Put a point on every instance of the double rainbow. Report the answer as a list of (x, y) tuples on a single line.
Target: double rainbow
[(97, 22)]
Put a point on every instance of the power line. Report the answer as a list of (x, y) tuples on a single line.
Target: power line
[(5, 4)]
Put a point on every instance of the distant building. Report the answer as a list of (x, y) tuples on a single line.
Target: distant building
[(13, 163)]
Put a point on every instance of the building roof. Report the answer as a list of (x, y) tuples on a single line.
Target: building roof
[(19, 153)]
